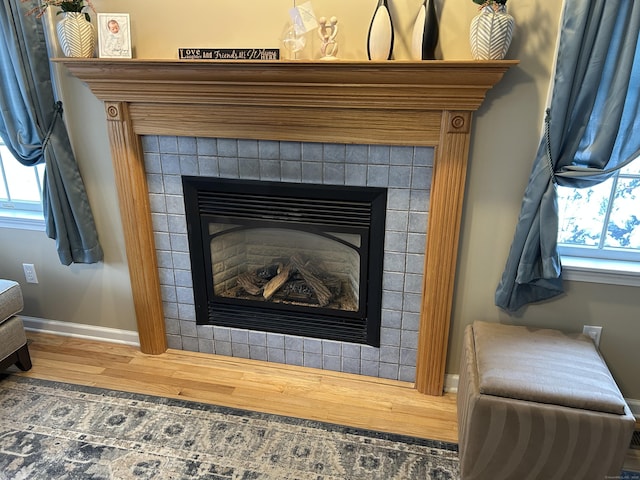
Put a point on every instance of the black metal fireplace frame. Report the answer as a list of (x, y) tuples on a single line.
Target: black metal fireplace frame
[(351, 209)]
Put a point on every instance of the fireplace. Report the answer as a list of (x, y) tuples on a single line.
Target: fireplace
[(404, 175), (384, 103), (280, 257)]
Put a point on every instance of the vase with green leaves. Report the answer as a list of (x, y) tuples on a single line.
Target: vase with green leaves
[(77, 36), (491, 30)]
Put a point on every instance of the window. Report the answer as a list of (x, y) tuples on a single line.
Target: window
[(599, 227), (20, 193)]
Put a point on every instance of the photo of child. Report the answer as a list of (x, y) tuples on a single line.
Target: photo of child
[(113, 35)]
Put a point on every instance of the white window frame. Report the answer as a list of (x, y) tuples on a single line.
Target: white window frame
[(597, 270), (597, 265), (15, 215)]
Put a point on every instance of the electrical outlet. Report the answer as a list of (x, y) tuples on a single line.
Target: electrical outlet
[(595, 332), (30, 273)]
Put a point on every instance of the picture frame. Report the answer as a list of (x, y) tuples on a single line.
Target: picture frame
[(114, 35)]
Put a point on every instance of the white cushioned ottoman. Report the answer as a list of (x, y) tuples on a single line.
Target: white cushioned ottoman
[(13, 341), (538, 404)]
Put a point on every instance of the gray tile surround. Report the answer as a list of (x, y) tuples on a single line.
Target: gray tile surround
[(405, 171)]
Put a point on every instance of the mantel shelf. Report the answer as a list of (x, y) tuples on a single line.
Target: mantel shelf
[(437, 84), (425, 103)]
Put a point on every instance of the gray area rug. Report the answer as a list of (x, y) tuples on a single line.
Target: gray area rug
[(51, 430)]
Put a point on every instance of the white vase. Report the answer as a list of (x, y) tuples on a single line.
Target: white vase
[(76, 35), (380, 37), (491, 32)]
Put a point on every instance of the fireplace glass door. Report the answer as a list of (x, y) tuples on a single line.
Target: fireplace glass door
[(296, 259)]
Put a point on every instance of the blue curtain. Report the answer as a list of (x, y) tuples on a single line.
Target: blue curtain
[(592, 129), (32, 128)]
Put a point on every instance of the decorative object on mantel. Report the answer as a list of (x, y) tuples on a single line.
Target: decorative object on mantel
[(114, 35), (327, 32), (491, 30), (380, 38), (294, 41), (425, 32), (229, 53), (303, 20), (76, 34)]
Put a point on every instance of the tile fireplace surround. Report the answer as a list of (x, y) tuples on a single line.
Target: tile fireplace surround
[(406, 171), (390, 103)]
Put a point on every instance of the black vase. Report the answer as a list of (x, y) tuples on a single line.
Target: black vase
[(380, 37), (425, 32)]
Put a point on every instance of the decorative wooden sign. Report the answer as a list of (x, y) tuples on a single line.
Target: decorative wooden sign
[(229, 53)]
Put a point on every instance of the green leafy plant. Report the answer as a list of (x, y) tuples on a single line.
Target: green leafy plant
[(77, 6), (495, 4)]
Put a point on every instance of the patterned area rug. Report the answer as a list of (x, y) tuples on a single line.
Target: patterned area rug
[(51, 430)]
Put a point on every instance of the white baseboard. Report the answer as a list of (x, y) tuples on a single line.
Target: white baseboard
[(634, 405), (451, 383), (78, 330), (451, 386)]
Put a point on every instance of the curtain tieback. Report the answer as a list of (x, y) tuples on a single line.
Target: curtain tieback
[(547, 121), (57, 112)]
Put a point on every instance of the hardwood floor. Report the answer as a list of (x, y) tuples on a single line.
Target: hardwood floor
[(353, 400)]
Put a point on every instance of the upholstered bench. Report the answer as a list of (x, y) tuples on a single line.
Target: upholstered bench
[(538, 404), (13, 341)]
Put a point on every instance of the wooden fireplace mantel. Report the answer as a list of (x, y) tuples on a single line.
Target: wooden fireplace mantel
[(426, 103)]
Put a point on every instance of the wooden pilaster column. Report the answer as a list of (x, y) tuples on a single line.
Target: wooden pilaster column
[(128, 163), (445, 215)]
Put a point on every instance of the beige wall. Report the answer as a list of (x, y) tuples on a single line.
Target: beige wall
[(505, 137)]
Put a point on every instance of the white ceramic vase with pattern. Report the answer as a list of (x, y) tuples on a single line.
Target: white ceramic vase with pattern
[(491, 33), (76, 35), (380, 37)]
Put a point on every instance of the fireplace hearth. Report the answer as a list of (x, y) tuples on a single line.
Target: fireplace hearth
[(287, 258)]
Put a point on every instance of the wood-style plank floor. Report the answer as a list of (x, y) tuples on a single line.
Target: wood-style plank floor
[(345, 399), (353, 400)]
